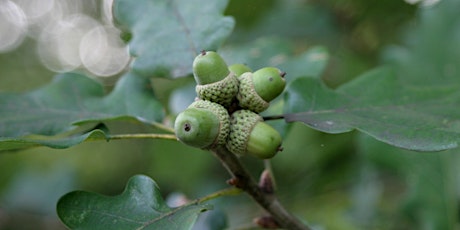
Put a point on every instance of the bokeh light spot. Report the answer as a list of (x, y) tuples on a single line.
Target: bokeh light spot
[(13, 26), (102, 52)]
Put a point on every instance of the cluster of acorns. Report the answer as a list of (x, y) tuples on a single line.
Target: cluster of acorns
[(226, 111)]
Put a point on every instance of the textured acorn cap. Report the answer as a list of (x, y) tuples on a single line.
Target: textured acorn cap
[(241, 124), (209, 67), (247, 95), (221, 92), (203, 125), (249, 134)]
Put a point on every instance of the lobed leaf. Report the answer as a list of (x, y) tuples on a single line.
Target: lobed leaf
[(140, 206), (412, 117), (30, 141), (35, 118), (168, 34)]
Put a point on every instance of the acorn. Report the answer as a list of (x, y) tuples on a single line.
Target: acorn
[(249, 134), (257, 89), (239, 69), (204, 124), (215, 82)]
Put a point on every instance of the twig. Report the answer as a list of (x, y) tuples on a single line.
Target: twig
[(247, 183)]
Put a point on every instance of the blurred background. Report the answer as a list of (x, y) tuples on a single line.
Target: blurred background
[(346, 181)]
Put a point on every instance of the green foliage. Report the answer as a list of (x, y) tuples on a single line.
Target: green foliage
[(32, 119), (412, 117), (360, 180), (12, 143), (140, 206), (167, 35), (413, 105)]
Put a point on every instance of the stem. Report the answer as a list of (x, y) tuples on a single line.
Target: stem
[(143, 135), (247, 183), (223, 192), (274, 117), (162, 127)]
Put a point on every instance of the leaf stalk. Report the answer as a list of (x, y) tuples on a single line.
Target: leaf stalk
[(143, 136)]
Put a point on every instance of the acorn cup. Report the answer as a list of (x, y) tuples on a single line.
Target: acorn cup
[(257, 89), (215, 82), (249, 134), (203, 124)]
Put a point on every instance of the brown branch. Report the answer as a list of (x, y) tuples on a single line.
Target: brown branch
[(243, 180)]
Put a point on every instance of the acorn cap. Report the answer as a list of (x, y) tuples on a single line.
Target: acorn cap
[(221, 92), (209, 67), (203, 124), (269, 82), (247, 96), (250, 135), (239, 69)]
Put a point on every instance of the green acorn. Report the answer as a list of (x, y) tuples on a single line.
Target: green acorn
[(203, 124), (257, 89), (249, 134), (239, 69), (214, 80)]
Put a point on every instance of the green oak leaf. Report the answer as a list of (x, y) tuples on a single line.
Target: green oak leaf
[(37, 117), (415, 106), (13, 143), (140, 206), (168, 34), (216, 219), (412, 117)]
